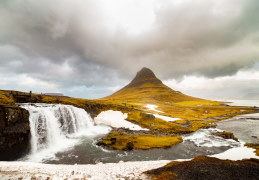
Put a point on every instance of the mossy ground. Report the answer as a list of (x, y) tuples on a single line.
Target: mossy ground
[(124, 141)]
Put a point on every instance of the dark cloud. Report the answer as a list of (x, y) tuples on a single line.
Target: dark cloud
[(69, 43)]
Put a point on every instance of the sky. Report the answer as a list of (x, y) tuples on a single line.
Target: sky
[(91, 48)]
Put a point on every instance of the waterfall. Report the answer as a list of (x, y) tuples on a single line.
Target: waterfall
[(55, 127)]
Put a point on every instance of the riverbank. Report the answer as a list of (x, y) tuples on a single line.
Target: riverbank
[(128, 170), (123, 170)]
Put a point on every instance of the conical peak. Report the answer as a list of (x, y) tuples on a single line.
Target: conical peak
[(145, 73)]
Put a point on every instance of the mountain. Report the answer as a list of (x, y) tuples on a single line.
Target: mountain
[(147, 88)]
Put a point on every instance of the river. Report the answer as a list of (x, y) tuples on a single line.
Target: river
[(74, 143)]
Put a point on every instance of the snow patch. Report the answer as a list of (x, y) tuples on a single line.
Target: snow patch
[(237, 153), (110, 171), (116, 119), (152, 108), (166, 118)]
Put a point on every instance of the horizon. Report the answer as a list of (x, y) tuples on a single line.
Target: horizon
[(249, 96), (90, 49)]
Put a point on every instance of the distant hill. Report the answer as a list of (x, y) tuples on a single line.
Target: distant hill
[(147, 88)]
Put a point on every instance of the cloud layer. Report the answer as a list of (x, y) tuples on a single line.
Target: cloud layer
[(74, 46)]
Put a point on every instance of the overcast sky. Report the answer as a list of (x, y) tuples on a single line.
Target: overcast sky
[(91, 48)]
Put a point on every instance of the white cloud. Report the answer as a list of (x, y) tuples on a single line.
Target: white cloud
[(92, 46), (239, 84)]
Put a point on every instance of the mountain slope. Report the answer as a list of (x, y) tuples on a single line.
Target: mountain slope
[(147, 88)]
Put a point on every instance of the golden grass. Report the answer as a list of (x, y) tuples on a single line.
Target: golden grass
[(6, 98), (155, 124)]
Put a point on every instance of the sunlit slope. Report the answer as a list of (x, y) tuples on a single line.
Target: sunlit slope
[(147, 88)]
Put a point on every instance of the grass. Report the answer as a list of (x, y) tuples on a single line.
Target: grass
[(124, 141), (155, 124), (6, 98)]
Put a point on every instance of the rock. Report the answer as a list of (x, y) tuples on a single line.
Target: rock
[(225, 135), (129, 146), (14, 132), (113, 141)]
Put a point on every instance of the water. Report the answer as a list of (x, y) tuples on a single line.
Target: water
[(244, 103), (244, 127), (88, 153), (63, 134)]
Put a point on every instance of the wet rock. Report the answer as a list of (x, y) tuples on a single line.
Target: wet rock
[(113, 141), (129, 146), (225, 135), (14, 132)]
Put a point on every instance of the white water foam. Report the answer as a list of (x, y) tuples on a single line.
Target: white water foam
[(204, 137), (55, 127)]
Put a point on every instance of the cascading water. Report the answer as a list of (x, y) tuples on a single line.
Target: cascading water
[(55, 127)]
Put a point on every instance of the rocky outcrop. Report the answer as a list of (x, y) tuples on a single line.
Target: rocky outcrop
[(14, 132), (225, 135)]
